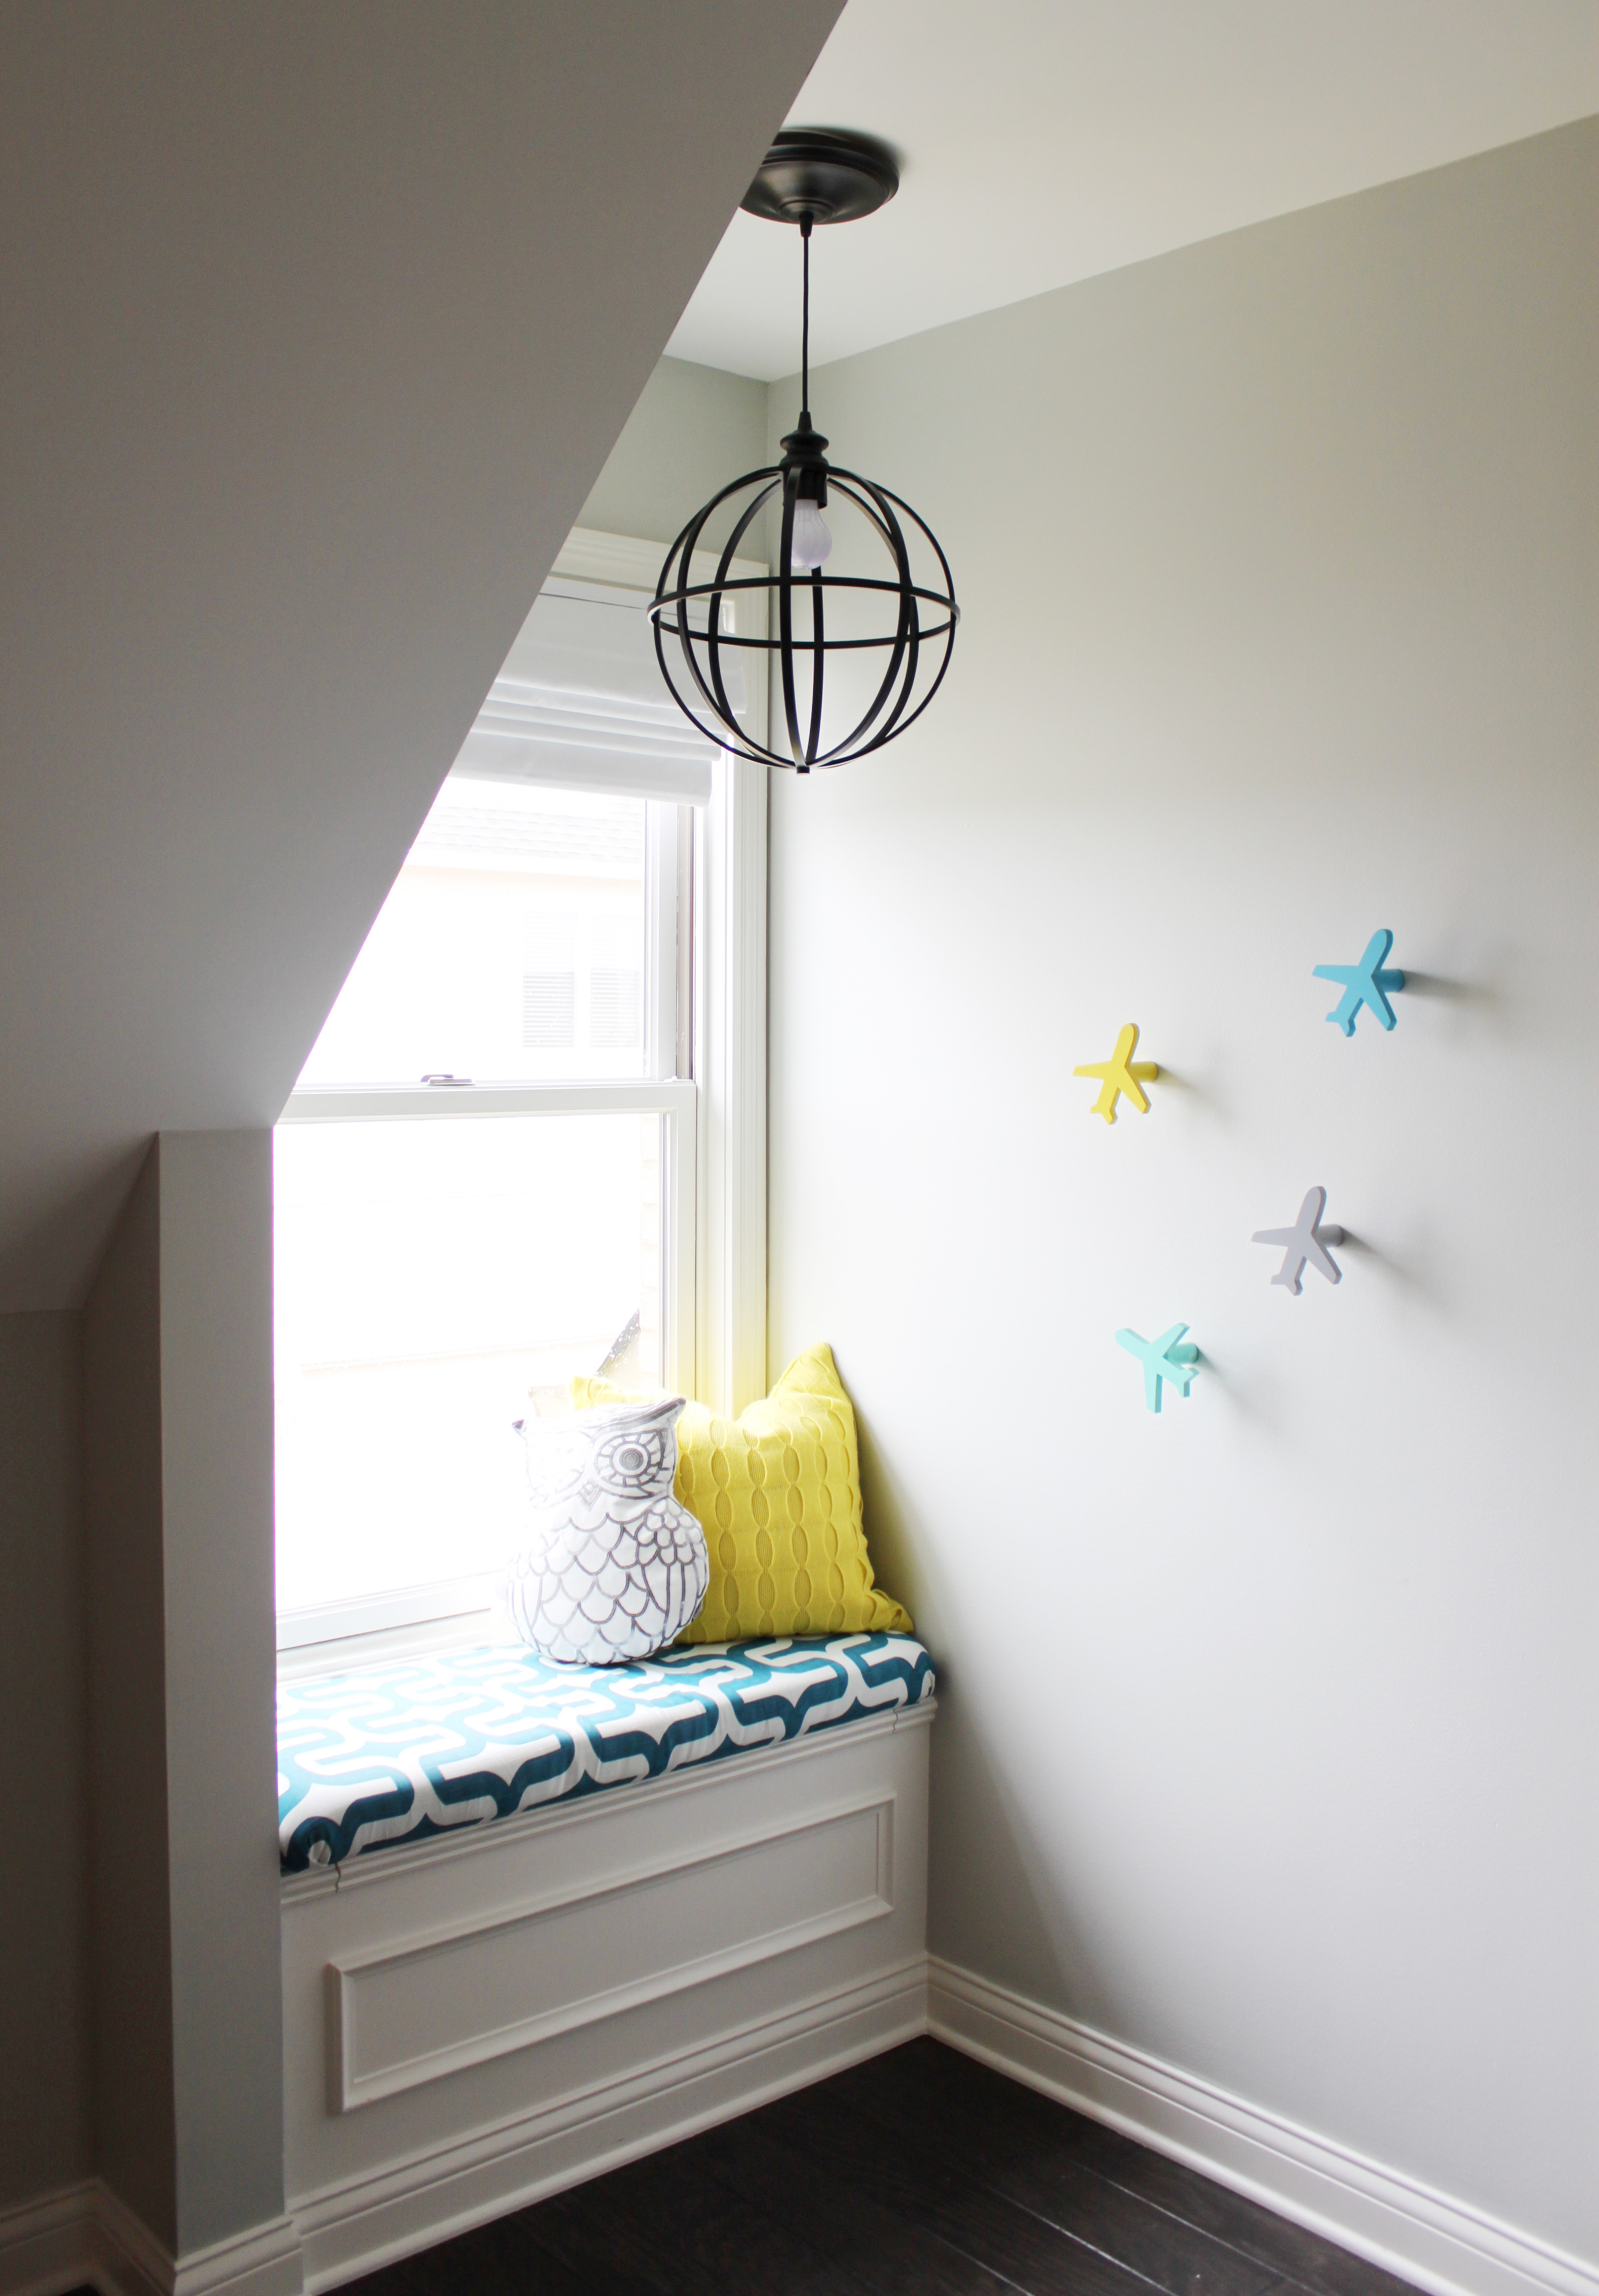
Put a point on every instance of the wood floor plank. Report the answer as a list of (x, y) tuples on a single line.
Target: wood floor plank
[(919, 2173), (493, 2260), (830, 2146), (1189, 2199), (688, 2223), (961, 2141), (674, 2230), (893, 2253)]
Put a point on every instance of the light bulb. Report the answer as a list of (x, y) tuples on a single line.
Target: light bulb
[(811, 540)]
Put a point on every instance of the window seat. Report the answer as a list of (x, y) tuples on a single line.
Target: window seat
[(390, 1755)]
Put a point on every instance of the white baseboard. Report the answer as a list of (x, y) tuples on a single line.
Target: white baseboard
[(48, 2246), (85, 2235), (265, 2262), (353, 2227), (129, 2260), (1423, 2236)]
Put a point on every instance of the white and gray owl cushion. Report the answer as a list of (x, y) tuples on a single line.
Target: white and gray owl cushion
[(614, 1568)]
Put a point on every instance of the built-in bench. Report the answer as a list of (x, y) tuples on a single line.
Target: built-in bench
[(401, 1752), (536, 1918)]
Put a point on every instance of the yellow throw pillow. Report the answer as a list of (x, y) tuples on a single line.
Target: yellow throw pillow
[(777, 1492)]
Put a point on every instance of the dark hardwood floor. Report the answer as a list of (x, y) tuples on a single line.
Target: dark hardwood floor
[(918, 2173)]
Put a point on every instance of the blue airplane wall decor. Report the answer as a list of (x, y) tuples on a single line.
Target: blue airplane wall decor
[(1306, 1240), (1162, 1359), (1370, 982)]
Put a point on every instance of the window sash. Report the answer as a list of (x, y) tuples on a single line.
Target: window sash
[(466, 1600), (358, 1104), (705, 928)]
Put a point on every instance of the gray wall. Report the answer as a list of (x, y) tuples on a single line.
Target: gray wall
[(319, 322), (693, 431), (178, 1588), (186, 1974), (317, 328), (135, 2133), (1278, 567), (216, 1444), (43, 2004), (1269, 1723), (177, 1375)]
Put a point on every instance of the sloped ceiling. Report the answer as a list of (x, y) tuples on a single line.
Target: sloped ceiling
[(318, 324)]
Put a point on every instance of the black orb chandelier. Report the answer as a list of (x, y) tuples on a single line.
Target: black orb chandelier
[(886, 633)]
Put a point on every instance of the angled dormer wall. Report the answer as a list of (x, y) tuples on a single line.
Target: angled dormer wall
[(320, 325)]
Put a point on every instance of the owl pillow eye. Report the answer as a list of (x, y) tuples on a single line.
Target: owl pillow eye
[(633, 1462)]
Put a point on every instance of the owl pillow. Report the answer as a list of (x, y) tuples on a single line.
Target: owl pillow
[(777, 1492), (614, 1567)]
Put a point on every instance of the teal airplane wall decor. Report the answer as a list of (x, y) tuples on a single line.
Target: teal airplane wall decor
[(1370, 982), (1162, 1359)]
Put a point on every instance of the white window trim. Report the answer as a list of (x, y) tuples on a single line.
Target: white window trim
[(714, 1132), (730, 1021)]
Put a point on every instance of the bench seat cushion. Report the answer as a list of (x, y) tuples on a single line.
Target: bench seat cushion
[(390, 1755)]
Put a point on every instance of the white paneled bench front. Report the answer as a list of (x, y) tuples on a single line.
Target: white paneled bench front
[(537, 1918)]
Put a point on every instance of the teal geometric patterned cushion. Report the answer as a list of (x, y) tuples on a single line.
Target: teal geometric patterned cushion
[(393, 1754)]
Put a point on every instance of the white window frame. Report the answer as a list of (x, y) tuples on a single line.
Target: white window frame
[(714, 1325)]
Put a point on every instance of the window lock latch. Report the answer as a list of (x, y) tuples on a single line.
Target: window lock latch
[(443, 1076)]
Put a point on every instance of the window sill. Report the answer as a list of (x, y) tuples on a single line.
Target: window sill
[(339, 1653)]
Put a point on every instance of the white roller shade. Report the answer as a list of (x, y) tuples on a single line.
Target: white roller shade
[(580, 703)]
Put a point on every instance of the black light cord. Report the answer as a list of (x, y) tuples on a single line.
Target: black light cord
[(805, 224)]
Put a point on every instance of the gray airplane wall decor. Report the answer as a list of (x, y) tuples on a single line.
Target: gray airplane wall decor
[(1306, 1240)]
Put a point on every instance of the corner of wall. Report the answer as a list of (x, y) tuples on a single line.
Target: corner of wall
[(221, 1753), (130, 1910), (43, 2004)]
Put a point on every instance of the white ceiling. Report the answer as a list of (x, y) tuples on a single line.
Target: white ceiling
[(1047, 140)]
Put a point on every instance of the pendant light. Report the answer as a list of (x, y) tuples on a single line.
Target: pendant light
[(884, 617)]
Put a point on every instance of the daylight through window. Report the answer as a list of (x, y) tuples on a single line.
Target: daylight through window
[(484, 1181)]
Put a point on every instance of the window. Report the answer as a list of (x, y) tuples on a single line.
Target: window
[(530, 1140), (515, 942)]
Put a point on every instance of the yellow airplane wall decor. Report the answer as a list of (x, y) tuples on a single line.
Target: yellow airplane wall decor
[(1121, 1073)]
